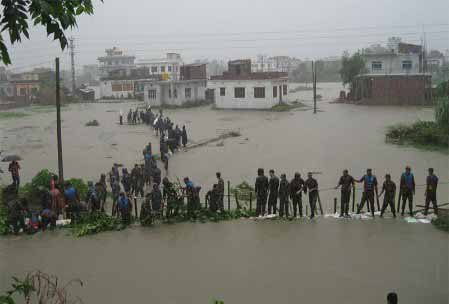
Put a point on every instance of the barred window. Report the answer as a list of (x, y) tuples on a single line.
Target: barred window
[(188, 92), (239, 92), (259, 92), (222, 91), (152, 94)]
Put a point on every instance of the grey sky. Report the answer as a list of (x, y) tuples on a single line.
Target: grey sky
[(200, 29)]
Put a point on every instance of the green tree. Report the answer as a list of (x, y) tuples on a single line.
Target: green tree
[(55, 15), (351, 66)]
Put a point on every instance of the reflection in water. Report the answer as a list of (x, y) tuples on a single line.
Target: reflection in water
[(242, 261)]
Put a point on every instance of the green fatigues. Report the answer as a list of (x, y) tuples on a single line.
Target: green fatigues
[(346, 182), (261, 189), (296, 185), (431, 193), (310, 184), (390, 193), (273, 196), (283, 197)]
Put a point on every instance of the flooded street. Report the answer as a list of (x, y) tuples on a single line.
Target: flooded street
[(241, 261)]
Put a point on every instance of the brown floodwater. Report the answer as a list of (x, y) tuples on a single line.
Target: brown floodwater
[(325, 261)]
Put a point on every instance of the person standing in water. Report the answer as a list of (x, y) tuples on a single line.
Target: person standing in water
[(311, 185), (283, 196), (389, 188), (261, 189), (121, 117), (220, 191), (407, 190), (274, 192), (296, 188), (431, 192), (369, 186), (347, 184), (184, 136), (14, 168)]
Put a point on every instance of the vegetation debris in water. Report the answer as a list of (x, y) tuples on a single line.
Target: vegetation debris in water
[(10, 115), (442, 223), (95, 223), (92, 123)]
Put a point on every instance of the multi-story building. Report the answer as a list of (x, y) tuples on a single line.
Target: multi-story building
[(190, 87), (169, 67), (115, 59), (393, 77), (241, 88)]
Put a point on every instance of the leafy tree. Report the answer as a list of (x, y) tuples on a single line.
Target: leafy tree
[(55, 15), (351, 66)]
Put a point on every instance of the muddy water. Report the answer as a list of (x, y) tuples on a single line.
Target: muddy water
[(244, 261)]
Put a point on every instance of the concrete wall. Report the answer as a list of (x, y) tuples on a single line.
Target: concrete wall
[(392, 64), (165, 92), (249, 102), (107, 92)]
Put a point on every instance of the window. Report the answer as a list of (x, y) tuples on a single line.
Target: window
[(153, 69), (222, 91), (117, 87), (259, 92), (285, 89), (169, 93), (169, 68), (175, 93), (275, 92), (23, 91), (188, 92), (376, 65), (407, 65), (239, 92), (162, 69), (152, 94)]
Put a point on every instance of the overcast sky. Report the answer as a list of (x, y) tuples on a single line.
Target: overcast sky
[(225, 29)]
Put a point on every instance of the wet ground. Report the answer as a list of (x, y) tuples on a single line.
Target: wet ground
[(242, 262)]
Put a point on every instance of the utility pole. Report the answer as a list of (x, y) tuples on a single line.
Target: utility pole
[(58, 123), (314, 86), (72, 59)]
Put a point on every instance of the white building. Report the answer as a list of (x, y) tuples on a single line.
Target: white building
[(169, 66), (116, 89), (174, 93), (114, 60), (259, 93), (240, 88), (406, 59)]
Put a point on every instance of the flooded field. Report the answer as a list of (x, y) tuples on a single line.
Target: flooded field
[(242, 261)]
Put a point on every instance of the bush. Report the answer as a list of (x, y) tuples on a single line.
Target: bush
[(442, 112), (420, 133), (95, 223)]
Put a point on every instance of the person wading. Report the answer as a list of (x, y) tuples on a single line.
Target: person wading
[(311, 185), (261, 189), (407, 190), (431, 192), (347, 184), (369, 186), (389, 188), (296, 188), (273, 185)]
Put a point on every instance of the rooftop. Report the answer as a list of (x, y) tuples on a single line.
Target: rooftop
[(251, 76)]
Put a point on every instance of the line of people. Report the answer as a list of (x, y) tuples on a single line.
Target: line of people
[(269, 190)]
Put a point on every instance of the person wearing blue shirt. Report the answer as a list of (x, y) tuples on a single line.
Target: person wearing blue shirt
[(123, 207), (407, 187)]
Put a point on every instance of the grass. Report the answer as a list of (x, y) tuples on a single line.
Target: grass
[(285, 107), (11, 115), (420, 134)]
